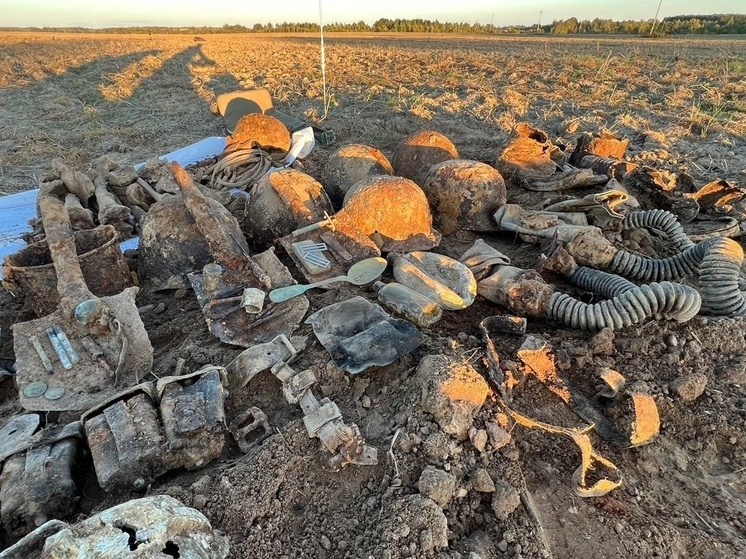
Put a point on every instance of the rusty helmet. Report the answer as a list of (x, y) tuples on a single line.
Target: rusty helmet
[(350, 164), (256, 130), (464, 194), (392, 210), (281, 202), (420, 151)]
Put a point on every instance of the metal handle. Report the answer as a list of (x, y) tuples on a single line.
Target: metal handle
[(71, 284), (284, 293)]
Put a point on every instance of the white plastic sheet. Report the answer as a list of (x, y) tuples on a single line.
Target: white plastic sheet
[(15, 212)]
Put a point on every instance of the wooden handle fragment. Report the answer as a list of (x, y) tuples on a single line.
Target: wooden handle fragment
[(70, 282), (220, 229)]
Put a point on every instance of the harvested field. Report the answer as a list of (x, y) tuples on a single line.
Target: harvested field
[(681, 103)]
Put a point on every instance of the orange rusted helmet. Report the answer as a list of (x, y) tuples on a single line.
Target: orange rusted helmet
[(527, 155), (281, 202), (256, 130), (420, 151), (464, 194), (350, 164), (393, 211)]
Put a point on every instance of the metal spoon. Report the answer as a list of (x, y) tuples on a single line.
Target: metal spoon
[(359, 273)]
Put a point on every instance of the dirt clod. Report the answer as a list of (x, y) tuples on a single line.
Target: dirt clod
[(689, 387), (452, 392), (421, 514), (482, 481), (498, 436), (437, 485), (505, 499), (478, 438), (602, 343)]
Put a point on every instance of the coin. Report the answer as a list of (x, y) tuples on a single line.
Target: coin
[(54, 393), (34, 390)]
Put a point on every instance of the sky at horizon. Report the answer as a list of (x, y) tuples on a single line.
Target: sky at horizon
[(215, 13)]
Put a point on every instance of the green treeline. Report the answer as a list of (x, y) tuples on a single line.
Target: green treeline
[(675, 25)]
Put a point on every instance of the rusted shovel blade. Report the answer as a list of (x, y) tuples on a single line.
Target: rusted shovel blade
[(227, 320), (231, 324), (91, 380)]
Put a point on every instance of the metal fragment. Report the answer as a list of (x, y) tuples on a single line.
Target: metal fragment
[(65, 341), (92, 347), (311, 256), (317, 259), (17, 431), (323, 419), (57, 345), (34, 341), (250, 428), (336, 247), (312, 247), (38, 484), (252, 300), (163, 523), (126, 438)]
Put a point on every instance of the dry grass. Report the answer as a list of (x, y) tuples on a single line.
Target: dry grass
[(80, 96)]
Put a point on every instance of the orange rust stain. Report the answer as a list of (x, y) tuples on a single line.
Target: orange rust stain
[(466, 386), (540, 363), (502, 420), (647, 422), (614, 379)]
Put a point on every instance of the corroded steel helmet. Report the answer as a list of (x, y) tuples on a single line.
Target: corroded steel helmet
[(420, 151), (350, 164), (171, 246), (527, 155), (464, 194), (281, 202), (256, 130), (391, 210)]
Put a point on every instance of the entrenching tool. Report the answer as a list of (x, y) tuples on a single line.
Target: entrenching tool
[(90, 347), (360, 273), (225, 285)]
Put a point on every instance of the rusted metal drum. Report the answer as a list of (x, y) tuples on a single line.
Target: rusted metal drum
[(31, 271)]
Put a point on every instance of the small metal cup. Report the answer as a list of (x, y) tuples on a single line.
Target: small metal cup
[(211, 277), (252, 300)]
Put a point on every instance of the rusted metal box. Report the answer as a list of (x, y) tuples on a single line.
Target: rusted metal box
[(37, 484), (126, 439)]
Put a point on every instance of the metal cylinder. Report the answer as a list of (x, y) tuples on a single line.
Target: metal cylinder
[(211, 274), (252, 300), (31, 270)]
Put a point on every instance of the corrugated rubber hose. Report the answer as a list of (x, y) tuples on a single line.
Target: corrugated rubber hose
[(717, 261), (660, 220), (628, 305), (644, 269), (718, 278)]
